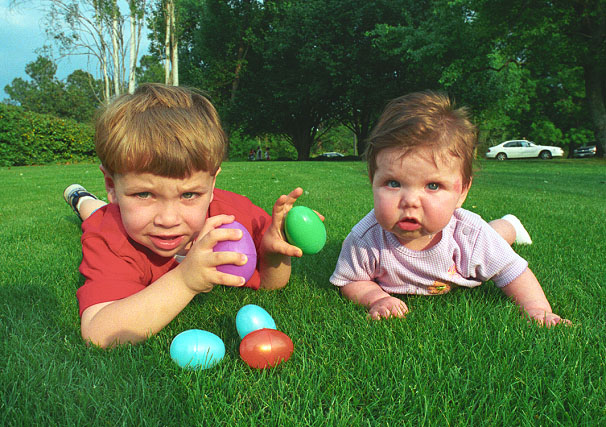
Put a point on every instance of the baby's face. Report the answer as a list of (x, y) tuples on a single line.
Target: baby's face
[(163, 214), (416, 195)]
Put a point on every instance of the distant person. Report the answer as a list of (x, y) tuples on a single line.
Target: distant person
[(418, 239), (251, 154), (149, 251), (259, 153), (266, 153)]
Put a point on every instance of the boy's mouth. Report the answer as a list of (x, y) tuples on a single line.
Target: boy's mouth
[(409, 224), (166, 243)]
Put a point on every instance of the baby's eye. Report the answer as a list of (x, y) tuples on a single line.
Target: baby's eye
[(433, 186), (189, 195), (392, 183)]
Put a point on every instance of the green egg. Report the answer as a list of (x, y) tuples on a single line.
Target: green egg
[(305, 230)]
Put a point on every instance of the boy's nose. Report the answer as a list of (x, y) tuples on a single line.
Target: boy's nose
[(167, 215)]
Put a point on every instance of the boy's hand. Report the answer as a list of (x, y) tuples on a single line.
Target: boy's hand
[(198, 269), (544, 318), (387, 307), (274, 240)]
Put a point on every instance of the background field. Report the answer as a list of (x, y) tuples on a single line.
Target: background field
[(465, 358)]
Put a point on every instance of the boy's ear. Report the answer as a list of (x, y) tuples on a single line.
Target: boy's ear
[(464, 193), (110, 185), (212, 194)]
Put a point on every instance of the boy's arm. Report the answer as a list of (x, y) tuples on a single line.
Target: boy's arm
[(527, 293), (136, 317), (372, 296), (275, 252)]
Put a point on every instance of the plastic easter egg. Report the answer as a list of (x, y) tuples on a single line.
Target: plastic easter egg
[(251, 318), (266, 348), (197, 349), (305, 230), (245, 246)]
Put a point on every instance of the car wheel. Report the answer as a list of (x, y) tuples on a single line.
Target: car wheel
[(501, 156), (545, 155)]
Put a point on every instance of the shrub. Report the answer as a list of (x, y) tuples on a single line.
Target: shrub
[(28, 138)]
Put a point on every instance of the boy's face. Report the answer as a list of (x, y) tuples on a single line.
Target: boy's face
[(163, 214), (415, 195)]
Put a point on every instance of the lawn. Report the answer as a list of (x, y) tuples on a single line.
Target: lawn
[(465, 358)]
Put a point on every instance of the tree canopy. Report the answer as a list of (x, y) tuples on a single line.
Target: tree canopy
[(299, 68)]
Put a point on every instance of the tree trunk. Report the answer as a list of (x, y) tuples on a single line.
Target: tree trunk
[(115, 48), (236, 82), (167, 74), (594, 93), (174, 57)]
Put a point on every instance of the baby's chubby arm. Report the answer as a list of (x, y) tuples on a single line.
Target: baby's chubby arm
[(527, 293), (275, 252), (372, 296), (138, 316)]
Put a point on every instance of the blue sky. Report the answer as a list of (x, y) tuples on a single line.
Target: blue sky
[(21, 34)]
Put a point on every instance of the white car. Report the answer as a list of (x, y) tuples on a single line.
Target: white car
[(331, 154), (520, 148)]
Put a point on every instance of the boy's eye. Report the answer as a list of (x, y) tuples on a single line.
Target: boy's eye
[(433, 186), (392, 183), (189, 195), (143, 195)]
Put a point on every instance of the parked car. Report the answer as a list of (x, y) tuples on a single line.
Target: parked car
[(331, 154), (585, 151), (520, 148)]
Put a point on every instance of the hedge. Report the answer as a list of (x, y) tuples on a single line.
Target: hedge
[(28, 138)]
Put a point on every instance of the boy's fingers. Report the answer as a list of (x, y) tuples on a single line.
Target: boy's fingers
[(225, 279), (213, 222), (235, 258), (319, 214), (287, 249), (220, 234)]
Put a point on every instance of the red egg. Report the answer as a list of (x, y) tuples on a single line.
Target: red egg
[(266, 348)]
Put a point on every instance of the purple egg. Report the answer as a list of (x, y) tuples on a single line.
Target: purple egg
[(245, 246)]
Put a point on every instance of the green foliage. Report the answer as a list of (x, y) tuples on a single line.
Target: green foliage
[(76, 98), (546, 133), (28, 138), (240, 145)]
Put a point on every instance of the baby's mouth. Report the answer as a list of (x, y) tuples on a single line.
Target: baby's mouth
[(409, 224)]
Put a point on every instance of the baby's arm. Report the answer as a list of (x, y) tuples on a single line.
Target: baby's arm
[(527, 293), (138, 316), (372, 296)]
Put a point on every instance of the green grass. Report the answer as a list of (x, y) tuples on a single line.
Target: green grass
[(465, 358)]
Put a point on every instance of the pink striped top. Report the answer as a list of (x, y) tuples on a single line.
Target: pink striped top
[(470, 252)]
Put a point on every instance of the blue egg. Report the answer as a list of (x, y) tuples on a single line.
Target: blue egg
[(197, 349), (251, 318)]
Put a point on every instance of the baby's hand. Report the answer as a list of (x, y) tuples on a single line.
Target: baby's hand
[(387, 307), (198, 269), (544, 318)]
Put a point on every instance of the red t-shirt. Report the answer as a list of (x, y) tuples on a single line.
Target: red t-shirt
[(116, 267)]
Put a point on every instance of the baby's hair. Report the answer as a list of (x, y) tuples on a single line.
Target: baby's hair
[(164, 130), (424, 119)]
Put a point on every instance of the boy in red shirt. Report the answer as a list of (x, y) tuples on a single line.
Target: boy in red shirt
[(149, 251)]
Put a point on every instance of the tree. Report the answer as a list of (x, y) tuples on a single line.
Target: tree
[(216, 44), (44, 93), (95, 28), (561, 43)]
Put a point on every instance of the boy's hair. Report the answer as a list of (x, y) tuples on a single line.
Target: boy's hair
[(164, 130), (424, 119)]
